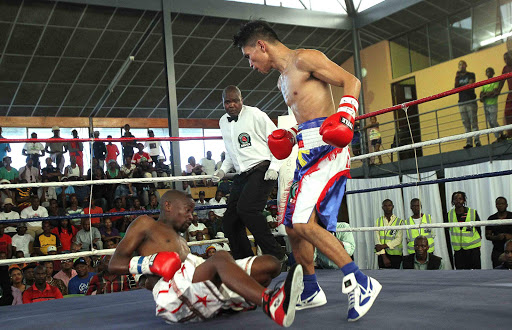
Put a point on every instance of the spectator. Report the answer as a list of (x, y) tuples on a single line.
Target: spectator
[(141, 155), (65, 231), (51, 172), (199, 250), (126, 190), (507, 256), (81, 192), (467, 103), (117, 208), (153, 205), (208, 163), (388, 244), (95, 165), (507, 57), (144, 170), (100, 191), (74, 170), (40, 291), (154, 147), (162, 170), (218, 200), (105, 282), (46, 194), (29, 172), (57, 149), (99, 151), (192, 168), (112, 151), (355, 144), (416, 219), (421, 259), (113, 171), (499, 235), (128, 145), (186, 189), (489, 97), (33, 150), (43, 241), (76, 150), (375, 137), (5, 242), (65, 192), (66, 272), (465, 241), (4, 147), (17, 278), (137, 206), (222, 159), (221, 246), (22, 196), (83, 237), (196, 227), (5, 193), (34, 211), (8, 172), (59, 284), (8, 213), (109, 233), (96, 222), (347, 240), (80, 283), (28, 274), (111, 244), (210, 251), (73, 209), (225, 186), (22, 241), (202, 214)]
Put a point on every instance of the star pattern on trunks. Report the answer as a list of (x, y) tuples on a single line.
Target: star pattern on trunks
[(202, 300)]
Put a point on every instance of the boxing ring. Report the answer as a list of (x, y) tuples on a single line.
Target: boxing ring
[(409, 299)]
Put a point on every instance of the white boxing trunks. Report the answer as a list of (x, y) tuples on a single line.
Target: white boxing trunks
[(180, 300)]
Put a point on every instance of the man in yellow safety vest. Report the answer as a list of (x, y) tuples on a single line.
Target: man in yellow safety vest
[(419, 218), (388, 243)]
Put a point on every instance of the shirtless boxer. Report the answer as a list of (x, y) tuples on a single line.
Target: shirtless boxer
[(323, 163), (188, 288)]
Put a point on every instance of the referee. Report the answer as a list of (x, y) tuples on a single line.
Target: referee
[(245, 130)]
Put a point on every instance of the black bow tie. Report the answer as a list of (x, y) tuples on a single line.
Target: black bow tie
[(230, 119)]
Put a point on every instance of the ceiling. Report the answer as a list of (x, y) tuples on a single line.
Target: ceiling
[(59, 58)]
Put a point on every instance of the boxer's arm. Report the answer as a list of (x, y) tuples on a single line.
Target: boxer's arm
[(135, 235), (324, 69)]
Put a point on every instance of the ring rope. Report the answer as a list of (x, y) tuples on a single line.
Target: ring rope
[(422, 183), (435, 141), (106, 181)]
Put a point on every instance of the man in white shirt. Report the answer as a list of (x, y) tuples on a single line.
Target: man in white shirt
[(218, 200), (196, 227), (21, 241), (208, 163), (245, 130), (219, 163), (221, 246), (154, 148), (9, 214), (33, 150), (34, 211), (29, 172)]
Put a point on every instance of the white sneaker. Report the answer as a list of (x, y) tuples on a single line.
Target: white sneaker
[(315, 300), (360, 298)]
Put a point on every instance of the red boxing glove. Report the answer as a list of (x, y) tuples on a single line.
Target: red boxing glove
[(338, 129), (164, 264), (281, 142)]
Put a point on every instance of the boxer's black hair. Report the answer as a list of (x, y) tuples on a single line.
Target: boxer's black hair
[(252, 31)]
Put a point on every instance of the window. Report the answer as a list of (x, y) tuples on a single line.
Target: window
[(438, 42), (15, 133), (461, 33)]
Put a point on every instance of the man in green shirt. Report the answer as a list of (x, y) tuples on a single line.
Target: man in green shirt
[(7, 172), (421, 259), (347, 240), (489, 97)]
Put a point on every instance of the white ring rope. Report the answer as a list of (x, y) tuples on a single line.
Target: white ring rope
[(435, 141), (106, 181), (95, 253)]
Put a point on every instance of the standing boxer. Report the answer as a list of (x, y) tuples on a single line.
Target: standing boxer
[(188, 288), (244, 131), (323, 163)]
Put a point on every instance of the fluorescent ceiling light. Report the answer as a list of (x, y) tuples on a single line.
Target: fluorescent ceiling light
[(330, 6), (494, 39)]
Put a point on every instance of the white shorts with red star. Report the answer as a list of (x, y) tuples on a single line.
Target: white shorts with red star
[(180, 300)]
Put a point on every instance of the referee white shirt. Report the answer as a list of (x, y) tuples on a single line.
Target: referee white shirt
[(246, 140)]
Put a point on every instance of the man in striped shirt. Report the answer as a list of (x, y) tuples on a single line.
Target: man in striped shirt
[(40, 290), (105, 282)]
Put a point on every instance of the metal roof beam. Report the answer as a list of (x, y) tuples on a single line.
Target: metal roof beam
[(381, 10)]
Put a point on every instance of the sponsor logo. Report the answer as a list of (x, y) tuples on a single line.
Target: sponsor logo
[(347, 122), (244, 139)]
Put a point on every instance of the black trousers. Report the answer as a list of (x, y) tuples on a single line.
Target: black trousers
[(396, 261), (246, 202), (467, 259)]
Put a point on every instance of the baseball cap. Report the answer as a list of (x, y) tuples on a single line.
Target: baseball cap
[(79, 261), (6, 156), (5, 181), (55, 128), (220, 235), (8, 201), (52, 248)]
